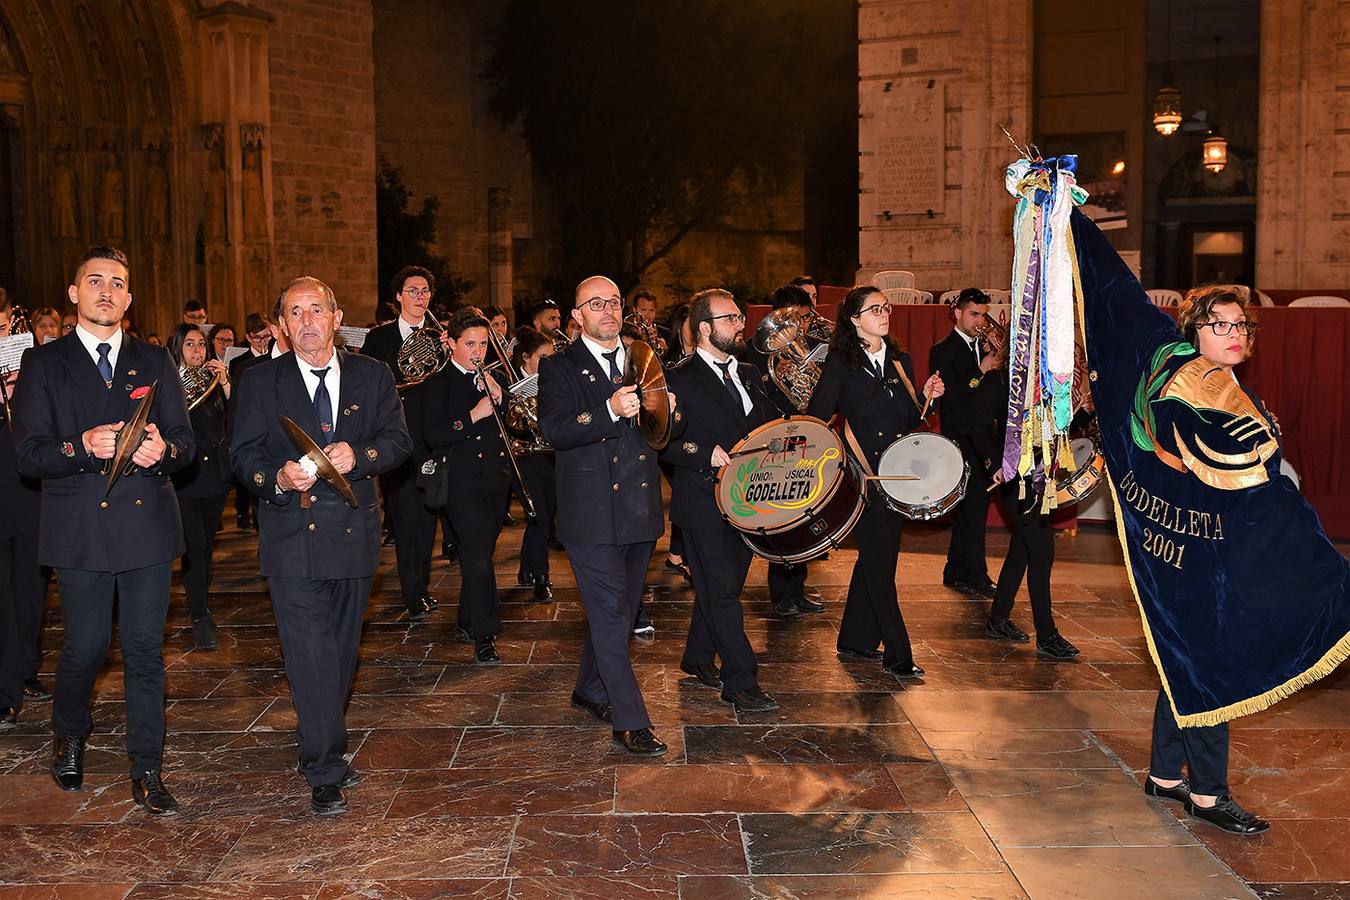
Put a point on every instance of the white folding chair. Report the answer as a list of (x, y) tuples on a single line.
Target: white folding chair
[(906, 296), (1263, 299), (1240, 289), (948, 298), (1321, 300), (1164, 297), (893, 279), (998, 296)]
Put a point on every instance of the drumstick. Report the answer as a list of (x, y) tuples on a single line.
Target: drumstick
[(746, 451), (891, 477), (927, 402)]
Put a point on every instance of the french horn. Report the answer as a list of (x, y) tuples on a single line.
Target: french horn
[(422, 354), (198, 383)]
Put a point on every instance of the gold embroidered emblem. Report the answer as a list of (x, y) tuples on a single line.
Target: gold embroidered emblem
[(371, 453), (584, 419), (690, 447), (1204, 386), (258, 479)]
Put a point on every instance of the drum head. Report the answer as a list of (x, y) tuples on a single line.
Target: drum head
[(779, 473), (935, 460), (1083, 451)]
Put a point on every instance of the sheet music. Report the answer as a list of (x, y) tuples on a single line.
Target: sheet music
[(354, 337), (526, 387), (11, 350), (818, 355), (233, 353)]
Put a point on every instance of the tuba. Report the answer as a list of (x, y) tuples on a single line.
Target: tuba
[(198, 383), (782, 337), (422, 354)]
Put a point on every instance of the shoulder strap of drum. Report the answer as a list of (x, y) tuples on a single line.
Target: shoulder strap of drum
[(908, 385), (856, 449)]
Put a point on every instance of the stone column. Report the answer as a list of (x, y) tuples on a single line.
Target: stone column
[(1303, 193)]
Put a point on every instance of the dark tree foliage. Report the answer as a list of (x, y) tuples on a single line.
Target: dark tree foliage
[(404, 238), (638, 115)]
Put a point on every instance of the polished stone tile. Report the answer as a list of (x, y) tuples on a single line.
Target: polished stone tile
[(1293, 850), (863, 843), (1063, 749), (804, 707), (1291, 748), (946, 886), (670, 708), (35, 800), (757, 788), (596, 888), (567, 747), (236, 891), (627, 845), (804, 744), (64, 891), (408, 748), (397, 711), (179, 851), (926, 787), (1012, 710), (1314, 891), (424, 889), (1158, 873), (503, 792)]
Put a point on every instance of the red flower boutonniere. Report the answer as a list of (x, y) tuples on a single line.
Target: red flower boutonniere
[(140, 392)]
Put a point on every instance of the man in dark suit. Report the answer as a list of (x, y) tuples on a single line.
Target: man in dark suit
[(318, 554), (411, 522), (265, 342), (721, 402), (73, 397), (609, 505), (972, 415)]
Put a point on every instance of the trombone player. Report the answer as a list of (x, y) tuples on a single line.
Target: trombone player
[(318, 554)]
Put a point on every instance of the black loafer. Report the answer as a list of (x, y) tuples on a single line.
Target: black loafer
[(350, 778), (418, 611), (524, 579), (1005, 631), (640, 742), (485, 652), (807, 605), (35, 690), (603, 712), (786, 609), (682, 568), (963, 587), (204, 636), (68, 763), (430, 602), (708, 674), (985, 587), (152, 796), (865, 655), (1056, 648), (450, 552), (543, 590), (328, 801), (903, 670), (1227, 815), (9, 718), (750, 700), (463, 635), (1181, 793)]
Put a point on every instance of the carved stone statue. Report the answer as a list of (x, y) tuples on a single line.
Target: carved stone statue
[(156, 197), (65, 222), (213, 224), (255, 216), (112, 197)]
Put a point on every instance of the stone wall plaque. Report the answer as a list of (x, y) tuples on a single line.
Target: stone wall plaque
[(910, 169)]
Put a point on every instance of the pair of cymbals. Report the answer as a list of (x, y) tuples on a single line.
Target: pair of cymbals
[(643, 369)]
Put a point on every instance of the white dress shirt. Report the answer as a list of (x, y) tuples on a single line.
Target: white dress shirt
[(332, 381), (599, 353), (91, 345), (716, 366), (878, 360), (405, 329), (972, 343)]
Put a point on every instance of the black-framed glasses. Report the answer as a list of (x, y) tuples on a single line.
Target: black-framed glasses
[(876, 309), (598, 304), (736, 318), (417, 292), (1224, 329)]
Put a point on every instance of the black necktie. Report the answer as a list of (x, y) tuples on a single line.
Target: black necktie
[(975, 347), (613, 358), (323, 407), (876, 369), (729, 384), (105, 364)]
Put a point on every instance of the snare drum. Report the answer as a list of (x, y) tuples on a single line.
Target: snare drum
[(790, 490), (1088, 467), (941, 474)]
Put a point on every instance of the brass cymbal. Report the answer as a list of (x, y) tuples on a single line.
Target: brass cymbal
[(129, 439), (326, 470), (643, 369)]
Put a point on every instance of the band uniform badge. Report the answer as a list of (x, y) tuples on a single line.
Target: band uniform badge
[(258, 479), (371, 453), (584, 418), (458, 425), (690, 447), (974, 382), (68, 449)]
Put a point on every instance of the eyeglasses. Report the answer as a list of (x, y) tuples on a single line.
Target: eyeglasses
[(260, 336), (876, 309), (1224, 329), (417, 292), (596, 304), (736, 318)]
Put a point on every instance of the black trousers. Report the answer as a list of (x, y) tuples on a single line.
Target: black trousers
[(476, 512), (201, 522), (414, 529), (29, 583), (787, 581), (965, 554), (11, 656), (541, 482), (319, 625), (609, 579), (676, 542), (1204, 751), (719, 561), (1031, 554), (245, 504), (86, 609), (872, 613)]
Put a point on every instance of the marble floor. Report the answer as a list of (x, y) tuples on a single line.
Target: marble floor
[(997, 775)]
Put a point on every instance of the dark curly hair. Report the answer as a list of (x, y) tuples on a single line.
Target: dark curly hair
[(1197, 308), (845, 339)]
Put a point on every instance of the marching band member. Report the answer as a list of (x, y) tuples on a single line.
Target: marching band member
[(318, 554), (609, 506), (73, 397), (460, 430), (203, 484), (722, 401), (538, 472), (870, 382)]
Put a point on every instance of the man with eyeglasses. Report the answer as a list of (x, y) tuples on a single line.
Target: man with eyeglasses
[(265, 341), (722, 401), (609, 511), (972, 416), (412, 523)]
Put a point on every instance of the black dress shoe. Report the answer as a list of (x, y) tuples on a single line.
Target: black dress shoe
[(450, 552), (9, 718), (807, 605), (418, 610), (602, 711), (152, 796), (386, 538), (707, 674), (68, 763), (463, 635), (640, 742), (785, 609), (204, 635), (1056, 648), (430, 602), (1226, 814), (524, 579), (1005, 631), (751, 699), (35, 690), (963, 587), (680, 567), (350, 778), (643, 625), (543, 590), (866, 655), (328, 800), (903, 670), (509, 521), (485, 652), (241, 523), (985, 587), (1180, 793)]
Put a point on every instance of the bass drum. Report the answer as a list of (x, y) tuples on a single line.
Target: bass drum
[(790, 490), (937, 475)]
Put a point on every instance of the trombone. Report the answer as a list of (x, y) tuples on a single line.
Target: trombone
[(18, 324), (525, 499)]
